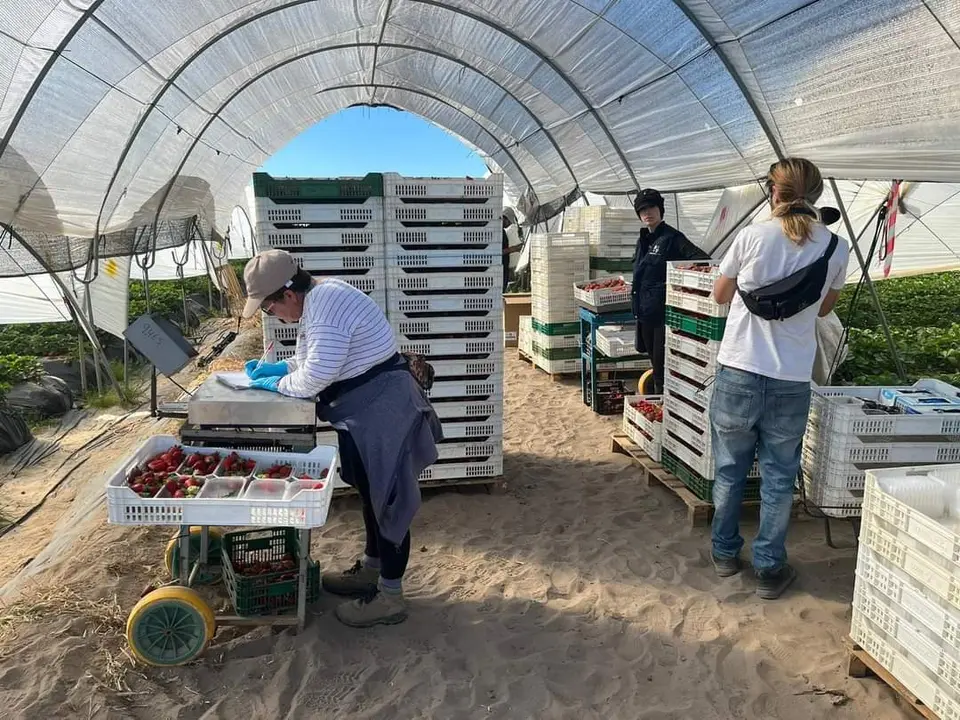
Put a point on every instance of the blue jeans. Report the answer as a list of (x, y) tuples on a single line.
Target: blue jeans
[(753, 413)]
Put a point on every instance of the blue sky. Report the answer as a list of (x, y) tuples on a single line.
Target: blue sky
[(359, 140)]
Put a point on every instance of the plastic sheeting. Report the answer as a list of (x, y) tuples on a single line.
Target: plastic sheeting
[(115, 114)]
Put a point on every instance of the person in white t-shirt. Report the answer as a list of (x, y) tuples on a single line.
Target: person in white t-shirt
[(761, 393)]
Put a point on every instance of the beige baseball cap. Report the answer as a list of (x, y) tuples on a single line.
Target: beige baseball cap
[(266, 273)]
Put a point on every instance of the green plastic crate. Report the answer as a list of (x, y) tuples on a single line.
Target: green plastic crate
[(269, 593), (556, 353), (292, 190), (700, 486), (611, 264), (565, 328), (706, 328)]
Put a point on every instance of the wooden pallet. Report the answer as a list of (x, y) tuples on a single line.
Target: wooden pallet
[(862, 664), (699, 512), (490, 484), (555, 377)]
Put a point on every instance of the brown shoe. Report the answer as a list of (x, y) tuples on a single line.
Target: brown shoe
[(376, 608), (357, 580)]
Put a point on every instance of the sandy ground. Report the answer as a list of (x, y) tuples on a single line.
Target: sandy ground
[(572, 592)]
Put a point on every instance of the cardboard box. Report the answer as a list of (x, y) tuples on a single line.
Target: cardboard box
[(514, 305)]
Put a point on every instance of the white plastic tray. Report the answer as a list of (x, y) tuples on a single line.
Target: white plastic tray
[(603, 296), (904, 668), (674, 385), (694, 347), (839, 410), (412, 261), (411, 214), (695, 416), (398, 186), (490, 279), (473, 369), (927, 532), (558, 367), (492, 428), (692, 302), (939, 618), (456, 347), (903, 553), (307, 510), (292, 239), (368, 211), (471, 451), (453, 304), (650, 445), (483, 389), (467, 410), (476, 327), (691, 278), (369, 259), (695, 370), (555, 342), (698, 438), (454, 471), (415, 238)]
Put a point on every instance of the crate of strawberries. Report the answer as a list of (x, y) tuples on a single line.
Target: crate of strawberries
[(261, 570), (602, 296), (643, 422), (693, 275), (164, 483)]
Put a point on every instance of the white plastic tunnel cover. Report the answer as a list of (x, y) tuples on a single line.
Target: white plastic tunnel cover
[(104, 104)]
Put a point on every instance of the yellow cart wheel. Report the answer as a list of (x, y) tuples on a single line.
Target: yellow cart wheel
[(647, 377), (205, 575), (170, 626)]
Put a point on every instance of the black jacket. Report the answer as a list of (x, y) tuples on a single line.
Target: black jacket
[(654, 250)]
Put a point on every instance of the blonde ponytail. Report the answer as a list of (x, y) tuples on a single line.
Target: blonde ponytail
[(798, 186)]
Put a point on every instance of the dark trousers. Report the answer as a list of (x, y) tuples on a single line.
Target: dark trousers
[(393, 558), (654, 338)]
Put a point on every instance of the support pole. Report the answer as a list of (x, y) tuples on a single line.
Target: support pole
[(83, 361), (898, 365)]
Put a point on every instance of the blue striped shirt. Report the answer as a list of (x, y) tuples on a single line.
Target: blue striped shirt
[(342, 334)]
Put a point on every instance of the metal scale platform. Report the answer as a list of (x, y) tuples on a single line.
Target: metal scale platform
[(219, 416)]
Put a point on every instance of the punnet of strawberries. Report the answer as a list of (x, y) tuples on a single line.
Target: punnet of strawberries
[(200, 464), (700, 267), (160, 472), (277, 471), (651, 411), (235, 466)]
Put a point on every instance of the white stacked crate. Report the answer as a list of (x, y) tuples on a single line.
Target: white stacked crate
[(645, 432), (690, 363), (525, 335), (849, 432), (613, 236), (444, 300), (906, 606), (332, 227), (557, 261)]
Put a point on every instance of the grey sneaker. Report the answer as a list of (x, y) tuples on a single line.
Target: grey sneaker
[(726, 567), (357, 580), (771, 584), (375, 608)]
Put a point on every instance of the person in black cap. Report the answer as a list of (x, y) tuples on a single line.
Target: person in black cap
[(657, 245)]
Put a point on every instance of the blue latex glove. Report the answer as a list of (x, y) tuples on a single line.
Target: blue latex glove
[(267, 383), (267, 369)]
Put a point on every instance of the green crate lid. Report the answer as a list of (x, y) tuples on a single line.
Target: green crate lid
[(611, 264), (287, 189)]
